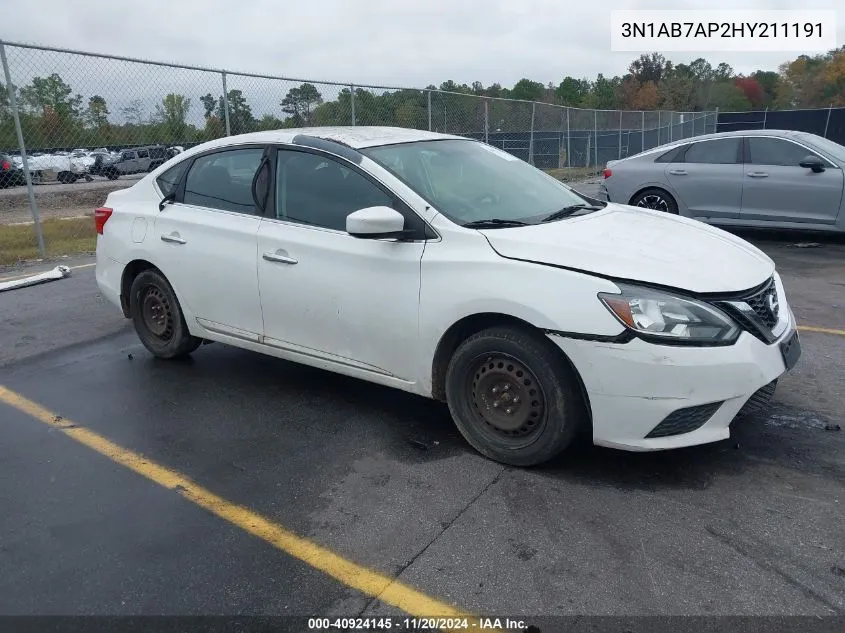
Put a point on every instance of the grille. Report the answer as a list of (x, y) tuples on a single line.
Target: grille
[(758, 403), (684, 420), (765, 304)]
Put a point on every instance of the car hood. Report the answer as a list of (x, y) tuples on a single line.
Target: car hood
[(631, 243)]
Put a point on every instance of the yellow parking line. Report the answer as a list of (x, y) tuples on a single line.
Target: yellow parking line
[(369, 582), (821, 330)]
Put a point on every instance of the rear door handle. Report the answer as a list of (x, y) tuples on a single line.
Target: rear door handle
[(175, 239), (758, 174), (280, 258), (678, 172)]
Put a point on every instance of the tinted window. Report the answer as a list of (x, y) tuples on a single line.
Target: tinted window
[(315, 190), (718, 152), (143, 153), (169, 180), (775, 151), (671, 156), (129, 155), (223, 180)]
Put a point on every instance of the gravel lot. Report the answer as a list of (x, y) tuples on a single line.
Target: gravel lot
[(749, 526)]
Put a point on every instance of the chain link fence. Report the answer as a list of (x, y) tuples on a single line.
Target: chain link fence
[(94, 123)]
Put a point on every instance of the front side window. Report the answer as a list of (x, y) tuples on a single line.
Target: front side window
[(776, 152), (319, 191), (143, 154), (223, 180), (723, 151), (469, 181)]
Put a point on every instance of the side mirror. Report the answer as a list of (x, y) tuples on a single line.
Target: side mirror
[(376, 223), (812, 162)]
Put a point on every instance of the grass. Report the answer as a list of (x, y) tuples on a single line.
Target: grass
[(61, 237)]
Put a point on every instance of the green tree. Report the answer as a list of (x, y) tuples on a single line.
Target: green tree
[(528, 90), (572, 92), (51, 95), (299, 103), (729, 97), (97, 112), (649, 68), (172, 113), (768, 80), (209, 103)]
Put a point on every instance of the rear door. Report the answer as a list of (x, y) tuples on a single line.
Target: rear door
[(776, 188), (206, 241), (707, 177)]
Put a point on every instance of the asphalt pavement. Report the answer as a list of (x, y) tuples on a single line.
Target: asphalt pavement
[(749, 526)]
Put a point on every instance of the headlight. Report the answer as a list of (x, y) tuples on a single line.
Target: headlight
[(660, 315)]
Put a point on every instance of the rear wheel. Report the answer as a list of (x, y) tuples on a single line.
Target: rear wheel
[(158, 318), (513, 397), (656, 199)]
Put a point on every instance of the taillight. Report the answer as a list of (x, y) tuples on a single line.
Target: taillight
[(6, 165), (607, 173), (101, 216)]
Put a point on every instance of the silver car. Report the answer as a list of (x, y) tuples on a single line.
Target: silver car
[(754, 178)]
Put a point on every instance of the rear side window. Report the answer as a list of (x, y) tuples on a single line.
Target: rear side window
[(223, 180), (723, 151), (143, 154), (672, 155), (169, 181)]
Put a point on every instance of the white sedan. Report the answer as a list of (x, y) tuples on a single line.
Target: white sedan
[(441, 266)]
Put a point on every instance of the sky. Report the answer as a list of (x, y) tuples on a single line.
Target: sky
[(395, 43), (384, 42)]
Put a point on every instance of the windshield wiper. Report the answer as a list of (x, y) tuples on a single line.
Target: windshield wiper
[(567, 211), (493, 223)]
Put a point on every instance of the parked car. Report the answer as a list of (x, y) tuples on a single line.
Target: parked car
[(754, 178), (444, 267), (134, 161), (11, 172)]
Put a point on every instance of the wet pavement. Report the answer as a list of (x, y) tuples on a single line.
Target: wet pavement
[(752, 525)]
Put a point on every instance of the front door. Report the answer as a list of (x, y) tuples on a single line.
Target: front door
[(778, 189), (206, 242), (325, 293), (708, 178)]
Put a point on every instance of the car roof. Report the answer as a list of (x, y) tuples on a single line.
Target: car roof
[(357, 137), (665, 147)]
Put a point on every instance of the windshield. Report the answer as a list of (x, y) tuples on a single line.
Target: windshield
[(469, 181), (834, 150)]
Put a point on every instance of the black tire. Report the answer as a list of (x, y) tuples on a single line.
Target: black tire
[(513, 397), (158, 318), (657, 199), (112, 174)]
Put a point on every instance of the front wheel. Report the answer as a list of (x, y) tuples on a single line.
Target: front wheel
[(513, 397), (656, 199), (158, 318)]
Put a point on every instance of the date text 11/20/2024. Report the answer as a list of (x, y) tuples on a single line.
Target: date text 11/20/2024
[(417, 624)]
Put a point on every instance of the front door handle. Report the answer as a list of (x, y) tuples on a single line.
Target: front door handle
[(175, 239), (280, 258), (678, 172), (758, 174)]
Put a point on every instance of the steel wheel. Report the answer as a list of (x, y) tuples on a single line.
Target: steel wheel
[(157, 314), (507, 400), (654, 201)]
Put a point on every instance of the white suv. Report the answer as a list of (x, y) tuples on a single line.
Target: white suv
[(444, 267)]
